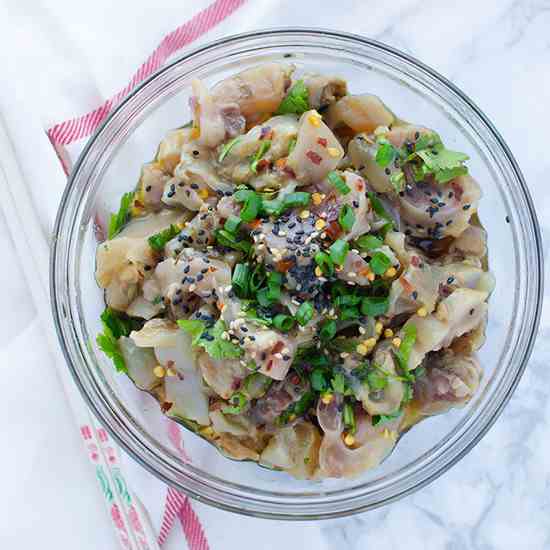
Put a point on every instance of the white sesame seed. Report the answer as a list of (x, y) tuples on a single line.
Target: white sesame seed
[(352, 274), (227, 288), (278, 355), (362, 330), (192, 287), (344, 354)]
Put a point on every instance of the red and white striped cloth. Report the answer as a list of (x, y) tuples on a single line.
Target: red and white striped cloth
[(80, 127)]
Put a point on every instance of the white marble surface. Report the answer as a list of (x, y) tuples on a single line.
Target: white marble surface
[(497, 497)]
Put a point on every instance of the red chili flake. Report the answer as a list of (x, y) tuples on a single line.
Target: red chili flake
[(415, 261), (360, 186), (333, 229), (322, 142), (409, 289), (169, 363), (278, 347), (458, 190), (295, 379), (269, 365), (138, 203), (166, 406), (314, 157), (283, 266), (262, 164), (236, 384), (289, 172)]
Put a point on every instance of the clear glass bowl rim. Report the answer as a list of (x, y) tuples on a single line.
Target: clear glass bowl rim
[(237, 498)]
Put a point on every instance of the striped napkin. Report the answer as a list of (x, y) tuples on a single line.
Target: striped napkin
[(144, 513)]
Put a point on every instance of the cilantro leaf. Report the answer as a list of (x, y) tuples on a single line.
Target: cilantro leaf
[(115, 325), (210, 339), (376, 380), (193, 327), (444, 163), (386, 154), (121, 218), (158, 240), (296, 100), (381, 418)]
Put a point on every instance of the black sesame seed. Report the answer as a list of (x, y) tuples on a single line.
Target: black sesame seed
[(450, 280), (449, 222), (355, 204), (416, 135), (148, 188), (147, 267), (194, 186), (196, 153), (387, 171), (414, 295), (244, 329), (200, 277), (441, 204), (186, 269), (466, 206), (507, 218), (181, 184), (472, 311)]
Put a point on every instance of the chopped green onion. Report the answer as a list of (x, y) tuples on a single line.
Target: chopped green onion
[(242, 194), (328, 330), (226, 147), (224, 238), (251, 207), (291, 145), (378, 207), (349, 418), (338, 181), (318, 380), (299, 198), (339, 383), (272, 207), (119, 220), (372, 306), (268, 296), (240, 280), (257, 278), (338, 251), (296, 100), (379, 263), (283, 322), (232, 224), (322, 259), (346, 217), (274, 278), (304, 313), (368, 242), (263, 149), (158, 240), (404, 351), (237, 403)]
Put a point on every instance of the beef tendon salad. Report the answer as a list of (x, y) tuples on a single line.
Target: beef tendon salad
[(300, 276)]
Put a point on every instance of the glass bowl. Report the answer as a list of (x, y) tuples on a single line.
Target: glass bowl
[(110, 165)]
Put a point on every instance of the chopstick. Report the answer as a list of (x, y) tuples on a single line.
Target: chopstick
[(123, 507)]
